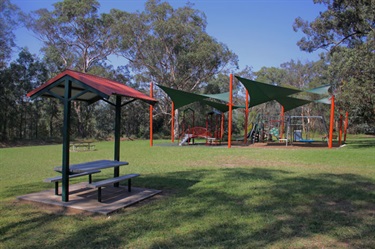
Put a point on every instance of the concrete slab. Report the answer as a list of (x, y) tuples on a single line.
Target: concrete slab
[(85, 199)]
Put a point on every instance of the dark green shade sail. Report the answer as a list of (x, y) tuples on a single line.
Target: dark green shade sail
[(261, 93)]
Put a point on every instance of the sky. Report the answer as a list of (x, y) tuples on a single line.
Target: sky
[(260, 32)]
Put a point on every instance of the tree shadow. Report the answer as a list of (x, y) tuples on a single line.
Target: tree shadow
[(362, 143), (224, 208)]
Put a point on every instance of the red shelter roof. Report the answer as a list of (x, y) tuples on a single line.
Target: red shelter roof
[(87, 87)]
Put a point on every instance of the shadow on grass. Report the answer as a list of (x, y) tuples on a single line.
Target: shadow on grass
[(223, 208), (362, 143)]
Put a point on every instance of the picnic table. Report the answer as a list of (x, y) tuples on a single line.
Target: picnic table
[(89, 168), (77, 146)]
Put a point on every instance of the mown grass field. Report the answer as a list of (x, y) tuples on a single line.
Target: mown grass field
[(213, 197)]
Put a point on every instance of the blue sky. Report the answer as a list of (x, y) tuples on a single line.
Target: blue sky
[(259, 31)]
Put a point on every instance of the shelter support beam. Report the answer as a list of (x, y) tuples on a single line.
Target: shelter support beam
[(116, 171), (66, 141)]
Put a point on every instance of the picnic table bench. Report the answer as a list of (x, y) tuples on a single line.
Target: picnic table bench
[(110, 181), (58, 179)]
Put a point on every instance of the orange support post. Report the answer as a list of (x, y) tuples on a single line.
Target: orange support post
[(151, 109), (282, 122), (346, 125), (246, 116), (230, 110), (222, 127), (331, 121), (172, 123), (340, 128)]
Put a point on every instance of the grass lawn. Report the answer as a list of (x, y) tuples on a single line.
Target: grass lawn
[(213, 197)]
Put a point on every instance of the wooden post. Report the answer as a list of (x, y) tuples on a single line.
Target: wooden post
[(346, 125), (246, 116), (172, 123), (151, 109), (230, 111), (331, 121), (66, 141)]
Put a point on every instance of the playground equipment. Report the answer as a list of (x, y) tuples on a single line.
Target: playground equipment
[(304, 128), (213, 132), (195, 132)]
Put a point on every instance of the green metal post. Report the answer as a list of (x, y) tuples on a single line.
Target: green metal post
[(66, 139), (116, 172)]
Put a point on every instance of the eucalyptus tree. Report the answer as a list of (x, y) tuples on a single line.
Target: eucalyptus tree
[(170, 47), (8, 22), (347, 31), (74, 33), (75, 36)]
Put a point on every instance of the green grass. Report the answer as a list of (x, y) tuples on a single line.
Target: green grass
[(213, 197)]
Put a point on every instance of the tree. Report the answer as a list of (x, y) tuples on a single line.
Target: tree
[(347, 30), (74, 34), (170, 47), (17, 115), (8, 22), (344, 23)]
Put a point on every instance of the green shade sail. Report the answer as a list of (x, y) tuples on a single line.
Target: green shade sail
[(290, 103), (261, 93), (181, 98)]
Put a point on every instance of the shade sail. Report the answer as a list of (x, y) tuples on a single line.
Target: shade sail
[(326, 101), (261, 93), (181, 98), (86, 87), (222, 107), (219, 96), (290, 103), (320, 90)]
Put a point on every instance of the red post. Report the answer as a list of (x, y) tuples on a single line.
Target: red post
[(331, 121), (346, 125), (282, 122), (246, 116), (340, 127), (230, 110), (222, 127), (151, 109), (172, 123)]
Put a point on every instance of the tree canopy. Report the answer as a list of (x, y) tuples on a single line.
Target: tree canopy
[(347, 31), (170, 46)]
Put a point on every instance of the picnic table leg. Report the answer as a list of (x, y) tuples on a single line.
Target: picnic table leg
[(129, 185), (116, 173), (90, 178), (99, 194), (57, 188)]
